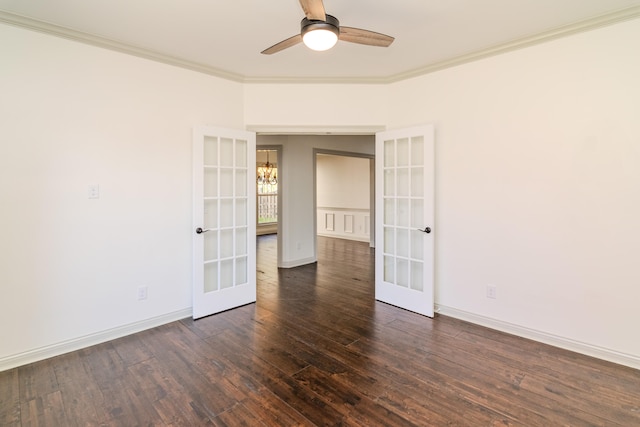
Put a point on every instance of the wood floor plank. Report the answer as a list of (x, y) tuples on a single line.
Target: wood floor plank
[(273, 411), (352, 403), (597, 408), (9, 398), (583, 395), (79, 390), (131, 350), (44, 410), (406, 377), (327, 349), (542, 378), (103, 363), (79, 399), (37, 380), (69, 367), (239, 415), (118, 401), (207, 398), (165, 394), (284, 386)]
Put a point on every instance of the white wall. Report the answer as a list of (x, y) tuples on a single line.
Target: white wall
[(297, 189), (304, 107), (538, 186), (72, 116)]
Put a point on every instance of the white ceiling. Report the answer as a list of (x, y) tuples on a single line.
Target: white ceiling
[(225, 38)]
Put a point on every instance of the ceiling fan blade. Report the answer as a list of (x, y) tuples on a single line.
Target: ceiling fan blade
[(370, 38), (313, 9), (291, 41)]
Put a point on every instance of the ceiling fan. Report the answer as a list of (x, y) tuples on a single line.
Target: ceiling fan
[(320, 31)]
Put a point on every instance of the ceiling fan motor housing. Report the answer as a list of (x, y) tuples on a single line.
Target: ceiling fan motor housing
[(331, 23)]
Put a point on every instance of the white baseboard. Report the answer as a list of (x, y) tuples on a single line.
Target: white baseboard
[(297, 262), (543, 337), (57, 349), (365, 239), (266, 229)]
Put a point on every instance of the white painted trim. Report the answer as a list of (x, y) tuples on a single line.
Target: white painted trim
[(105, 43), (57, 349), (345, 237), (314, 130), (297, 262), (271, 228), (334, 222), (566, 30), (332, 208), (556, 33), (543, 337)]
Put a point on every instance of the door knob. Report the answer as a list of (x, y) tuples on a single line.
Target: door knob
[(201, 230), (426, 230)]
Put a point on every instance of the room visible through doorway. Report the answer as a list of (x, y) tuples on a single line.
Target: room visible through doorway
[(267, 191), (344, 199)]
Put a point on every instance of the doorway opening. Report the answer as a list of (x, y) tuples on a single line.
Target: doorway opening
[(297, 218), (345, 196)]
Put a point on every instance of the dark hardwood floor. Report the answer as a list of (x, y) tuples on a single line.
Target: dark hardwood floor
[(316, 349)]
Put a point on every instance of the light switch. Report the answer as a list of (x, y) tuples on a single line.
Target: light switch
[(94, 191)]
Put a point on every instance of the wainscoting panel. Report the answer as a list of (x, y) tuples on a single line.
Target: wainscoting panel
[(344, 223), (348, 224), (329, 220)]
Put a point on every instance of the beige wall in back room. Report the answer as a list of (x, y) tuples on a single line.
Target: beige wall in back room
[(343, 196), (342, 182)]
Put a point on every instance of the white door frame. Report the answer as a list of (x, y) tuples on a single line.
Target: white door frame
[(291, 130)]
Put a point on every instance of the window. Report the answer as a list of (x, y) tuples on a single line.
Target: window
[(267, 181)]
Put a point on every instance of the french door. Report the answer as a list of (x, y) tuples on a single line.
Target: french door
[(224, 223), (405, 218)]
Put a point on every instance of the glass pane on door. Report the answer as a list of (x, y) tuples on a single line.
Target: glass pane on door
[(403, 190)]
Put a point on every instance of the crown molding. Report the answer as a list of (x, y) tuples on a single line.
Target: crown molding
[(103, 42), (319, 80), (553, 34)]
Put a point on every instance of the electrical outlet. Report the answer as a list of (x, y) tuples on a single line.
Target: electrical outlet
[(93, 191), (142, 293), (492, 291)]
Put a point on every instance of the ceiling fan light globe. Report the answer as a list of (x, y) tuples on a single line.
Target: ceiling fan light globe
[(320, 35), (320, 39)]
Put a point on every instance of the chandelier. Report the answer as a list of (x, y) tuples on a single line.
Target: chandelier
[(267, 173)]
